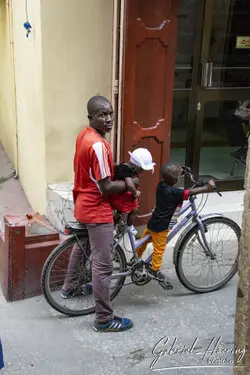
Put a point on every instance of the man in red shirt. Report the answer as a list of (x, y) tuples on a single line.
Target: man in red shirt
[(93, 167)]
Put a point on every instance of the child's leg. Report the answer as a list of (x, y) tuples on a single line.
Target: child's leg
[(117, 217), (142, 248), (159, 241), (131, 217), (120, 222)]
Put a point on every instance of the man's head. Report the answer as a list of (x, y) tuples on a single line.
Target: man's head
[(170, 173), (100, 114)]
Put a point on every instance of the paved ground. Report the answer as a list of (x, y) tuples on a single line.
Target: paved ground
[(38, 341), (12, 198)]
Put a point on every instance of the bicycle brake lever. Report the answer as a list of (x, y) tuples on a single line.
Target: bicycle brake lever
[(216, 191), (185, 170)]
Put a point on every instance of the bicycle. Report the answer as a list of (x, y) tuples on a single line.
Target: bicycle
[(197, 242)]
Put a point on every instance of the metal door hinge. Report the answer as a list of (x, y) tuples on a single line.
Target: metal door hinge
[(116, 86)]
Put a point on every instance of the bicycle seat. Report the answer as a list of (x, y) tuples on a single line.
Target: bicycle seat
[(75, 226)]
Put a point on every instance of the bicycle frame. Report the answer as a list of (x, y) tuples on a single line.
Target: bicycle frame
[(192, 214)]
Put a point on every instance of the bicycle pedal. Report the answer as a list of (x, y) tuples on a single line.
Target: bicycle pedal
[(166, 285)]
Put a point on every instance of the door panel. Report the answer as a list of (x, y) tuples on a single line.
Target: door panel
[(150, 41), (224, 81), (148, 85)]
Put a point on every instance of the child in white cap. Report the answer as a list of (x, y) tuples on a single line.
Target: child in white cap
[(126, 203)]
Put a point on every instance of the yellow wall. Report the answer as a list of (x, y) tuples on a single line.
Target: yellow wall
[(31, 134), (66, 59), (77, 63), (7, 93)]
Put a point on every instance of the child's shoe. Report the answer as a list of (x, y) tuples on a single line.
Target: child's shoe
[(160, 277)]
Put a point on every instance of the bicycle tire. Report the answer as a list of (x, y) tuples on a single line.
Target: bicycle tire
[(46, 272), (180, 251)]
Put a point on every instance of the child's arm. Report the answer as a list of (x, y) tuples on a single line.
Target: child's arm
[(204, 189)]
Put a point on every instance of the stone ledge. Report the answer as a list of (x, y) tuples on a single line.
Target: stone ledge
[(60, 206)]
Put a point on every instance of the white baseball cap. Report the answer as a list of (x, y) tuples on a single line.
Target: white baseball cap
[(142, 158)]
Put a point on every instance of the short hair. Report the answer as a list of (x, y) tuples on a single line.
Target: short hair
[(92, 103), (168, 169)]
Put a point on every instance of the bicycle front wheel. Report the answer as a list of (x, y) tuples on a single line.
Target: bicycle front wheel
[(55, 271), (196, 270)]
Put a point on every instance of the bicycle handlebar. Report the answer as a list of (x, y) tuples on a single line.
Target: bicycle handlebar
[(186, 171)]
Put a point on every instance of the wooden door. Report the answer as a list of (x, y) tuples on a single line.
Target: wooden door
[(149, 56)]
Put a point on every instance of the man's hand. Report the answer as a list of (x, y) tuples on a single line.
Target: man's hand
[(130, 186), (135, 181), (211, 185), (134, 197)]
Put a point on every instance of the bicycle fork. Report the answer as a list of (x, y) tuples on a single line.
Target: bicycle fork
[(201, 237)]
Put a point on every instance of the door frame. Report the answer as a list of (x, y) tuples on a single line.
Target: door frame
[(117, 74)]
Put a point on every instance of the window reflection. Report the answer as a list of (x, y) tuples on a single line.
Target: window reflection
[(231, 62), (224, 141), (179, 129), (185, 43)]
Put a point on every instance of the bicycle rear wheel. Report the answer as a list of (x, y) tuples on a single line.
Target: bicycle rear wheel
[(55, 271), (197, 271)]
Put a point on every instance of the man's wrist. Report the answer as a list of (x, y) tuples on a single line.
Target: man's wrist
[(135, 181)]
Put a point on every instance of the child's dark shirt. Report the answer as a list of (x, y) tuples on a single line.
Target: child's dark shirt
[(167, 199)]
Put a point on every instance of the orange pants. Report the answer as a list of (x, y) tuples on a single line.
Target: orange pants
[(159, 240)]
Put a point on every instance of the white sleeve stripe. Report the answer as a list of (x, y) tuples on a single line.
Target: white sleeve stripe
[(106, 160), (99, 150)]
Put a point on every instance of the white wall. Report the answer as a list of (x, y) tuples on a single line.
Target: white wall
[(66, 60)]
